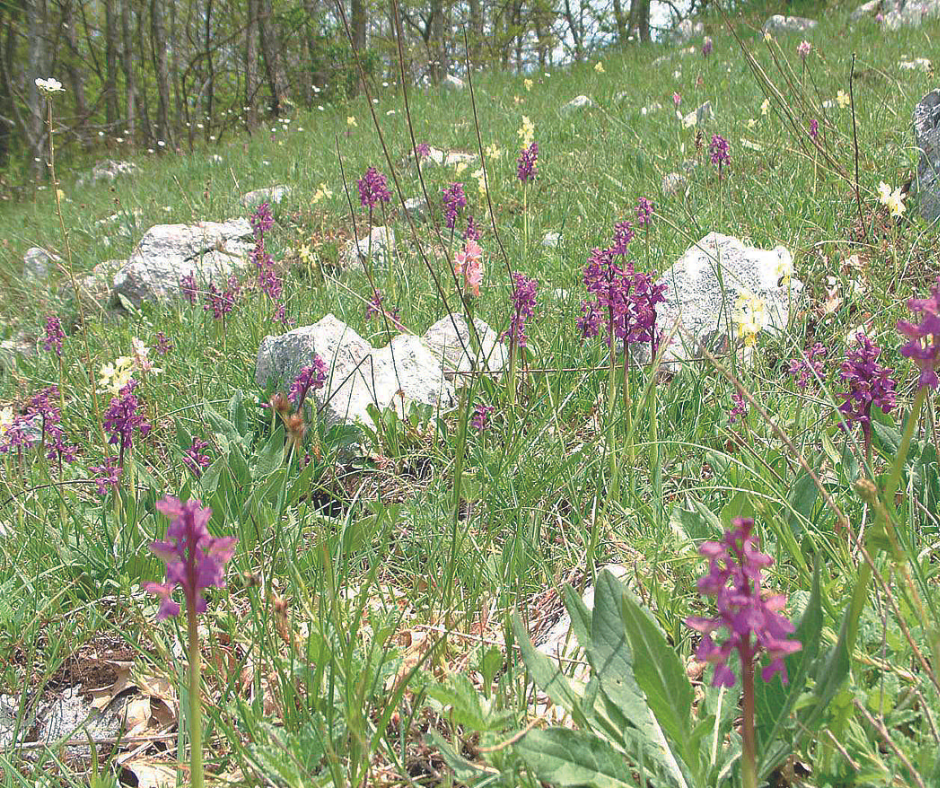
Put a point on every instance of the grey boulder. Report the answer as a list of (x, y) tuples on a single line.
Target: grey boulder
[(211, 251), (910, 13), (377, 246), (449, 339), (927, 138), (779, 23), (38, 264), (404, 372), (453, 83), (108, 170), (699, 116), (700, 304), (578, 102), (273, 194)]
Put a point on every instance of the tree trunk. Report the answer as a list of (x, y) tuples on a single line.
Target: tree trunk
[(437, 40), (574, 29), (143, 102), (127, 59), (210, 90), (269, 50), (621, 19), (35, 68), (158, 40), (476, 31), (7, 108), (110, 65), (251, 65), (72, 62), (358, 25)]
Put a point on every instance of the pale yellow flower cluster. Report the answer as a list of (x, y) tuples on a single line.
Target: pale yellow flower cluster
[(526, 132), (842, 99), (494, 152), (115, 376), (784, 270), (6, 420), (892, 200), (599, 68), (750, 317), (528, 84), (480, 178), (323, 192)]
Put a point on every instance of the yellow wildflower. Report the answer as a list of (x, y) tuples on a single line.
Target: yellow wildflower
[(461, 166), (751, 123), (493, 151), (750, 317), (892, 200), (526, 132), (351, 121), (6, 419), (115, 376), (323, 192), (528, 84), (481, 181), (765, 107), (842, 99), (599, 68)]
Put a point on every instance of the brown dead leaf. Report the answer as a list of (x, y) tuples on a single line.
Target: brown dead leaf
[(102, 696), (137, 715)]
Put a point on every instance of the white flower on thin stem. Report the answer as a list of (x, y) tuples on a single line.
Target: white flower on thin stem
[(51, 85)]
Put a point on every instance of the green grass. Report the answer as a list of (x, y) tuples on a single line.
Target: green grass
[(367, 555)]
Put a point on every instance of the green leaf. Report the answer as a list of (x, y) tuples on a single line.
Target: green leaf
[(547, 675), (659, 673), (774, 701), (738, 506), (580, 616), (802, 500), (271, 455), (464, 770), (565, 757), (238, 414)]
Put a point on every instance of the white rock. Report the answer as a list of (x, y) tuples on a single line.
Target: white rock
[(927, 137), (377, 246), (578, 102), (910, 13), (673, 183), (557, 642), (38, 264), (211, 251), (866, 9), (698, 116), (453, 83), (551, 240), (704, 305), (403, 372), (917, 64), (449, 339), (108, 170), (779, 23), (417, 209), (455, 157), (273, 194)]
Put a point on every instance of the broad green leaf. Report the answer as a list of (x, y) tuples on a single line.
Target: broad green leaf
[(612, 660), (802, 500), (775, 701), (464, 770), (739, 506), (237, 413), (565, 758), (660, 675), (547, 675), (271, 455), (580, 616)]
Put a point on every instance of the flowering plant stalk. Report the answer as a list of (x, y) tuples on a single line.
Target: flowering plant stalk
[(49, 87), (194, 560)]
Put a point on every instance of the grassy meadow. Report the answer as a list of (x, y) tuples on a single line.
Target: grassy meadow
[(366, 634)]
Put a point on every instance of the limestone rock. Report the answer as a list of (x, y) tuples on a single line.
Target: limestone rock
[(704, 304), (417, 209), (578, 102), (403, 372), (273, 194), (927, 137), (910, 13), (779, 23), (455, 157), (673, 183), (917, 64), (449, 338), (211, 251), (38, 264), (557, 642), (378, 244), (698, 117), (551, 240), (453, 83), (108, 170), (869, 9), (20, 346)]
